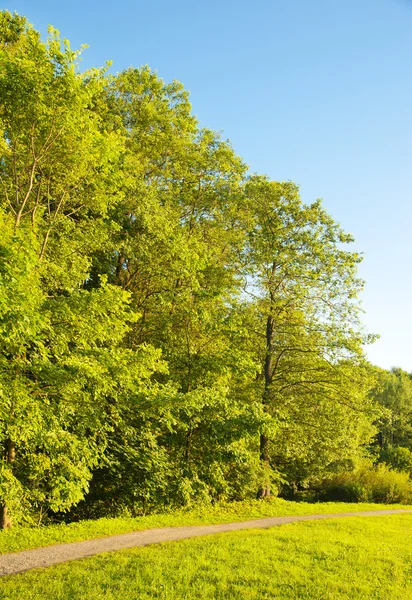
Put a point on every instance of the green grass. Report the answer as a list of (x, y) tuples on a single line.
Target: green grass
[(23, 538), (352, 558)]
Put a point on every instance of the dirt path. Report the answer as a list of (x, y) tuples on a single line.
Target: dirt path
[(51, 555)]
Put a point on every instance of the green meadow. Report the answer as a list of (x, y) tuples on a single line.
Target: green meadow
[(352, 558)]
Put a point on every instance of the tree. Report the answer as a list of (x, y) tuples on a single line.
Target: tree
[(305, 327), (64, 365), (177, 253)]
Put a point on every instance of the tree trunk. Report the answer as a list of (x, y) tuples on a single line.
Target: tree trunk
[(8, 456), (264, 491), (5, 519), (120, 270)]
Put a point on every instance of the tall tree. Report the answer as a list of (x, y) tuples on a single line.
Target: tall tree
[(178, 254), (64, 365), (304, 322)]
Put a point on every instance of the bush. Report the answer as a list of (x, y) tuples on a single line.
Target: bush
[(367, 484)]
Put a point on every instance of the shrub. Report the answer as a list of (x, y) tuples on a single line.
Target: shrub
[(368, 483)]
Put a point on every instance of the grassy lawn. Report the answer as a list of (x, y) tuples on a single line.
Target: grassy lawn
[(22, 538), (352, 558)]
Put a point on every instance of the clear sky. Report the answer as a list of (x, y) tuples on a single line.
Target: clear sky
[(318, 92)]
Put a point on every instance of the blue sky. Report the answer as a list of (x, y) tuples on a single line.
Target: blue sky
[(318, 92)]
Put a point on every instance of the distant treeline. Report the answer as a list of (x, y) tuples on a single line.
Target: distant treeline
[(173, 330)]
